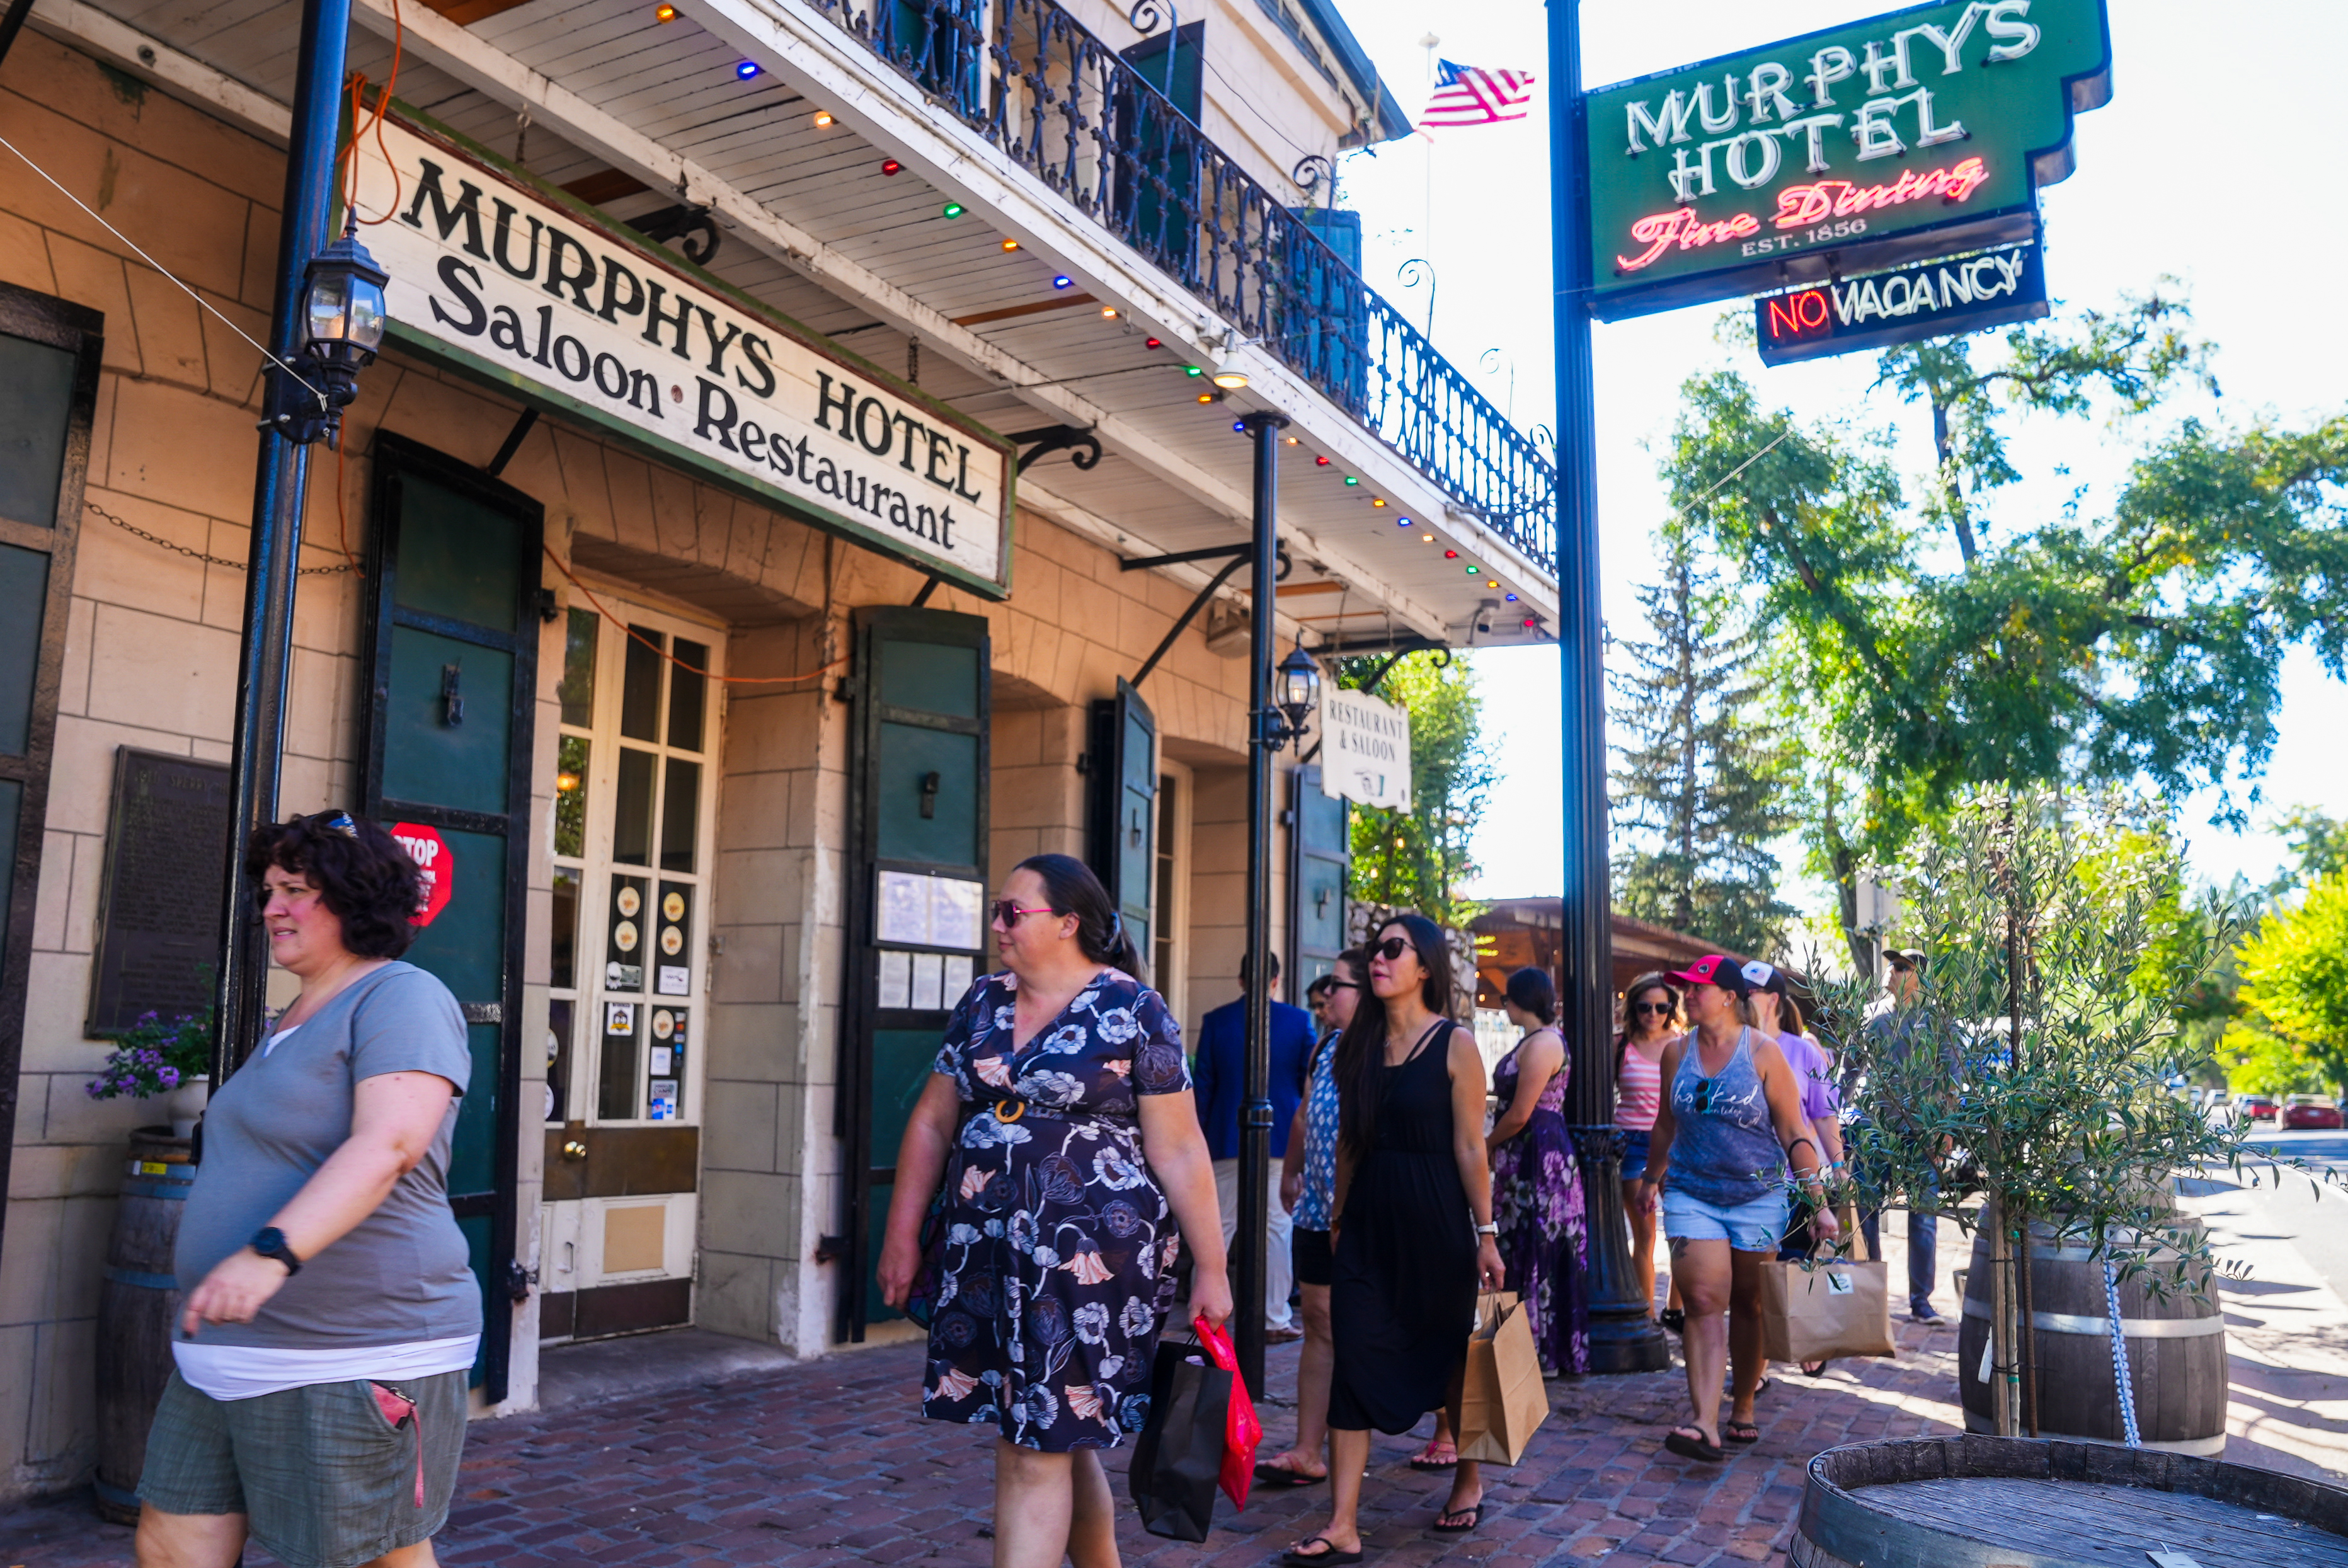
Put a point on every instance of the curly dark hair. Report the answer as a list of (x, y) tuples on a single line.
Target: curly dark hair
[(359, 871)]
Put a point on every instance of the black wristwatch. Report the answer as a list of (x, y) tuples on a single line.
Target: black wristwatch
[(270, 1242)]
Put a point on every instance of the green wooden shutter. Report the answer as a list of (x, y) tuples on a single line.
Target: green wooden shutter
[(1122, 840), (917, 772), (1320, 852), (49, 354), (451, 653)]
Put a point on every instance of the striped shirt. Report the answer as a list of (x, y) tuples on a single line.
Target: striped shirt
[(1638, 1091)]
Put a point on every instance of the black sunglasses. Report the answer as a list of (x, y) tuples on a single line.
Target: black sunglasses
[(1662, 1009), (1392, 947), (1341, 986)]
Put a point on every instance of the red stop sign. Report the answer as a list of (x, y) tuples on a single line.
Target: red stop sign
[(430, 851)]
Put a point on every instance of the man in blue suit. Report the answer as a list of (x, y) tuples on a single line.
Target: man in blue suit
[(1218, 1078)]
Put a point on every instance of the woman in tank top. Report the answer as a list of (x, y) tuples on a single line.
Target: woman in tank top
[(1729, 1123), (1650, 1022)]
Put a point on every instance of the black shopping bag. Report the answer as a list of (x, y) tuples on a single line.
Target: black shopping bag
[(1179, 1458)]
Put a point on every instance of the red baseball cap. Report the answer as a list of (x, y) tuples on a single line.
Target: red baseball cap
[(1715, 969)]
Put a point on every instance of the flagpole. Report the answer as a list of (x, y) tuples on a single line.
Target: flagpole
[(1623, 1336)]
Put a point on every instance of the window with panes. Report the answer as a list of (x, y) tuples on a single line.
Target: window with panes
[(635, 783)]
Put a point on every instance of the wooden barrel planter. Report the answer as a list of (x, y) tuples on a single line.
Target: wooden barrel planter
[(137, 1303), (2022, 1503), (2175, 1352)]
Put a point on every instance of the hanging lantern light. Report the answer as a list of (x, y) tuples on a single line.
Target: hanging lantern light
[(343, 322), (1298, 685)]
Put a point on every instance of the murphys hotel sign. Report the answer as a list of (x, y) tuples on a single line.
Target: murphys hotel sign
[(515, 281), (1916, 134)]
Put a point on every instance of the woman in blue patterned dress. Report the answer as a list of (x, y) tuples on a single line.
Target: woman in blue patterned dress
[(1079, 1160)]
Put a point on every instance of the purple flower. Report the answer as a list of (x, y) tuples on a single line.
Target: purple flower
[(168, 1078)]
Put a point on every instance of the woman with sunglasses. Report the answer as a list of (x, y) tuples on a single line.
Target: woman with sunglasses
[(1650, 1022), (1079, 1157), (1537, 1195), (1730, 1121), (1411, 1170)]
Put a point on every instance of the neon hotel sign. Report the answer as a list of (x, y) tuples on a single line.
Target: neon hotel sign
[(1836, 153)]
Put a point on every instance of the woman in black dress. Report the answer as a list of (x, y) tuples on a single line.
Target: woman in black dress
[(1078, 1174), (1413, 1234)]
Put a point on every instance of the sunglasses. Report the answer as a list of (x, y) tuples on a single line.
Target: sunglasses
[(1661, 1009), (1008, 914), (1392, 947), (1342, 986), (340, 822)]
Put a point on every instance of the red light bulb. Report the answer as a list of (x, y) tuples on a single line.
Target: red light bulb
[(1151, 343), (890, 166), (1450, 555), (1320, 462)]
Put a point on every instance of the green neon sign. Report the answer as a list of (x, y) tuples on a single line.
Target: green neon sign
[(1906, 136)]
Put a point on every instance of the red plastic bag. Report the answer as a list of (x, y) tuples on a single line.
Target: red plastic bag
[(1241, 1430)]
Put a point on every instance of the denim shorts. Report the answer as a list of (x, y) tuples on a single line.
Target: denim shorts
[(1634, 1153), (323, 1479), (1751, 1227)]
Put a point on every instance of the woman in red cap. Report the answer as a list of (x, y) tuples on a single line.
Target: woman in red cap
[(1730, 1122)]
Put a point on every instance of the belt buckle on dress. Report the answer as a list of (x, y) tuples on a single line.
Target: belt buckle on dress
[(1007, 1111)]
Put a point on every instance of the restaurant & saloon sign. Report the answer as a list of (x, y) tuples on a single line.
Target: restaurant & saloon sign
[(517, 282), (1917, 134)]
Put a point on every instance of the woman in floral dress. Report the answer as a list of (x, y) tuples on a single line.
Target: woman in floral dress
[(1536, 1183), (1078, 1173)]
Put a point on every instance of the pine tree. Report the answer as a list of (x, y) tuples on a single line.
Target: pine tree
[(1702, 784)]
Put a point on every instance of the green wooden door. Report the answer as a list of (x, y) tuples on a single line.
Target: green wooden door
[(451, 658), (1123, 840), (1320, 852), (916, 895)]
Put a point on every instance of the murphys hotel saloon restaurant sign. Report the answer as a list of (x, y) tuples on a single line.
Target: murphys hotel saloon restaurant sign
[(1917, 134), (515, 281)]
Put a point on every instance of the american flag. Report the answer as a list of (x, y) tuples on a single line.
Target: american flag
[(1472, 95)]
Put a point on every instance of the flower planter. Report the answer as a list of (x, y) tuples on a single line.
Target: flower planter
[(184, 1104)]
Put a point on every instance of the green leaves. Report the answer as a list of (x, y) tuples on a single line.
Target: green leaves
[(2295, 975), (1417, 859)]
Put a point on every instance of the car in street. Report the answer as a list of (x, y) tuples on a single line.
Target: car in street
[(2310, 1113), (2257, 1108)]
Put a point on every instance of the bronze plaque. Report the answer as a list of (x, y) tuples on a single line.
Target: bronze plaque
[(158, 928)]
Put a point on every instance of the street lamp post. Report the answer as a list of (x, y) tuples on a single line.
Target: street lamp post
[(1622, 1335), (327, 325)]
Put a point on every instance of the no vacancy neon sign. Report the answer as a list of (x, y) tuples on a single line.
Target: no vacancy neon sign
[(1916, 134)]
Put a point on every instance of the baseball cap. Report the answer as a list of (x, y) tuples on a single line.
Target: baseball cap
[(1713, 969), (1760, 976)]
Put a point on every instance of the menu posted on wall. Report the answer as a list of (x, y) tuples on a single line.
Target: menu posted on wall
[(516, 280), (158, 923)]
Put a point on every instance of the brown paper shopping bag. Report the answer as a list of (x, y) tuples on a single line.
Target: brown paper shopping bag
[(1829, 1308), (1502, 1400)]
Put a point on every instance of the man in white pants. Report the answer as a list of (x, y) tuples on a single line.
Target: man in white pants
[(1219, 1076)]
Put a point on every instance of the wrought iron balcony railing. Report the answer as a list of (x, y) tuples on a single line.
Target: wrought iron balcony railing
[(1068, 108)]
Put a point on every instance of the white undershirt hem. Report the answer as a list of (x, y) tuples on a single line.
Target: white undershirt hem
[(249, 1371)]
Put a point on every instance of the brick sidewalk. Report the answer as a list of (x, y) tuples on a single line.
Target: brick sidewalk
[(831, 1462)]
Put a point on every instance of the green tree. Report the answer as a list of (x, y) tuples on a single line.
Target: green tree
[(2143, 644), (1701, 779), (2295, 978), (1419, 858)]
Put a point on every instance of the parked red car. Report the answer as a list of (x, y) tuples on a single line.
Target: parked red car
[(2310, 1113), (2257, 1108)]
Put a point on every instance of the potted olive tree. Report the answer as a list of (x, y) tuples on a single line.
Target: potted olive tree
[(2029, 1088)]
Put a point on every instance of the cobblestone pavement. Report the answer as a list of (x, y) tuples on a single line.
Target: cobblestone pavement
[(829, 1462)]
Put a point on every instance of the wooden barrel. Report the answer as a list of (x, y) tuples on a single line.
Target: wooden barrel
[(136, 1306), (2175, 1352), (2019, 1502)]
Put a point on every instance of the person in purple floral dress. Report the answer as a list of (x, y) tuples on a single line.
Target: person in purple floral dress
[(1537, 1198), (1078, 1173)]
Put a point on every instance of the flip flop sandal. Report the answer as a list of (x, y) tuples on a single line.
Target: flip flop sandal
[(1282, 1476), (1815, 1368), (1688, 1443), (1672, 1318), (1475, 1512), (1740, 1432), (1419, 1461), (1299, 1558)]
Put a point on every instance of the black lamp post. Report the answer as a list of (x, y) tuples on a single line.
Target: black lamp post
[(326, 327)]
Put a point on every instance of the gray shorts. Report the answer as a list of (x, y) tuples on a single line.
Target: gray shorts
[(322, 1479)]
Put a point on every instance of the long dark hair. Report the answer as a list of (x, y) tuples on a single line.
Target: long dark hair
[(1362, 1048), (1070, 888), (1531, 990), (360, 872)]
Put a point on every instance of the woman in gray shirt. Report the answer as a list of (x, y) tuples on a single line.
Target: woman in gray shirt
[(330, 1318)]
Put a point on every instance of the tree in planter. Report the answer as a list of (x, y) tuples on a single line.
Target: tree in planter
[(1702, 773), (2027, 1083)]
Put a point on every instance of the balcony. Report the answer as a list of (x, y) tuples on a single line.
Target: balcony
[(1054, 98)]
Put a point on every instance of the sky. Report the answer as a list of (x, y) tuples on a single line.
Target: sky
[(2211, 164)]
